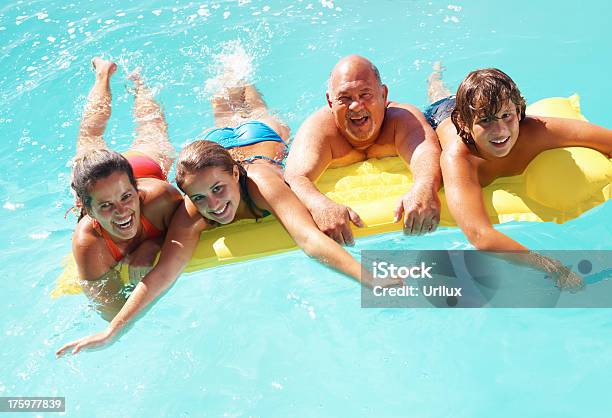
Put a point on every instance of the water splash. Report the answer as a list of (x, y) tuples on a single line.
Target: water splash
[(232, 67)]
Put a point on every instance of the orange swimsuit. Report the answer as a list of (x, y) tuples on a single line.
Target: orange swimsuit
[(144, 166), (149, 229)]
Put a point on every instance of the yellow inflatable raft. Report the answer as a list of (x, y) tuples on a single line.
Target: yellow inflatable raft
[(557, 186)]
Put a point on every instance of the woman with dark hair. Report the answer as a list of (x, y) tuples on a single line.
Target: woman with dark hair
[(485, 134), (222, 186), (125, 202)]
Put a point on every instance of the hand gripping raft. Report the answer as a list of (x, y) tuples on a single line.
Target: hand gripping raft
[(557, 186)]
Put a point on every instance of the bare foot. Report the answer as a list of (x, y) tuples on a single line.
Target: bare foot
[(436, 89), (236, 96), (230, 100), (436, 73), (135, 78), (103, 67)]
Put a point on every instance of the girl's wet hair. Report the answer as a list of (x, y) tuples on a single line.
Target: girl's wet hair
[(95, 165), (203, 154), (483, 93)]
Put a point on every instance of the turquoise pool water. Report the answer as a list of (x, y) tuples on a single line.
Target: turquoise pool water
[(284, 336)]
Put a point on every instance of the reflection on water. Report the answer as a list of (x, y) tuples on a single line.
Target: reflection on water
[(248, 339)]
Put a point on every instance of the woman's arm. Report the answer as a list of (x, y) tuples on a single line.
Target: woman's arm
[(105, 293), (97, 271), (181, 240), (271, 192), (161, 200)]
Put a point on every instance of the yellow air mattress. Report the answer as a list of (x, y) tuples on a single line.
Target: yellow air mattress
[(557, 186)]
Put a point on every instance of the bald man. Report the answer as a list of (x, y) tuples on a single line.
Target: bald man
[(359, 123)]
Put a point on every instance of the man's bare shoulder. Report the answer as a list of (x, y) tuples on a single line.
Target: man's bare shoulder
[(455, 150), (534, 129), (403, 113), (322, 122), (406, 106), (457, 164), (548, 126)]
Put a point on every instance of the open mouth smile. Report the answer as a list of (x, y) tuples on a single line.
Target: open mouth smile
[(221, 212), (500, 142), (359, 120), (125, 223)]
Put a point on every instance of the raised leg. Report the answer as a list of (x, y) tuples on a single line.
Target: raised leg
[(97, 110), (436, 89), (229, 107), (151, 127)]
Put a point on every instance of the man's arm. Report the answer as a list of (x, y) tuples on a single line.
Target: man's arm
[(466, 204), (559, 132), (310, 155), (417, 144)]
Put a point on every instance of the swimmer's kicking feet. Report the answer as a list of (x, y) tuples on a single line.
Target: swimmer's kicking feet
[(244, 180), (125, 201)]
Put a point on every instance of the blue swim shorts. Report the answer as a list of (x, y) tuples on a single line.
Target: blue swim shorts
[(436, 112)]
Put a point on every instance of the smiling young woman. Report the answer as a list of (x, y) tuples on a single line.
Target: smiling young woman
[(125, 202), (237, 177)]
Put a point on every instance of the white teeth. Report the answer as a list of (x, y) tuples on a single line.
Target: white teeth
[(123, 223), (500, 141), (220, 211)]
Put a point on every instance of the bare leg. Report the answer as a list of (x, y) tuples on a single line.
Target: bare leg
[(242, 104), (97, 110), (151, 127), (229, 107), (436, 89), (260, 111)]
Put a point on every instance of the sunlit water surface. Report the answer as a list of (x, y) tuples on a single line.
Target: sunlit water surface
[(284, 336)]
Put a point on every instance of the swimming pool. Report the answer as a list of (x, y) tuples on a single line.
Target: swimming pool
[(251, 339)]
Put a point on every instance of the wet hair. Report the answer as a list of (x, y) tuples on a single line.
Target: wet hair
[(483, 93), (95, 165), (202, 154)]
